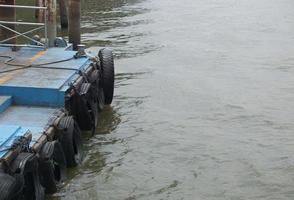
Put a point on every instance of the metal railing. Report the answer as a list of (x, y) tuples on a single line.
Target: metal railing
[(40, 26)]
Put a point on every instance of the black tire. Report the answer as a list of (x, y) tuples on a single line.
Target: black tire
[(97, 89), (85, 108), (94, 113), (33, 189), (26, 165), (52, 166), (70, 141), (10, 186), (107, 67), (101, 100)]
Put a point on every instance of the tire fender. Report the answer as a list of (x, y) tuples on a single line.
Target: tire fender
[(10, 186), (97, 89), (107, 67), (70, 140), (26, 166), (52, 166), (85, 108)]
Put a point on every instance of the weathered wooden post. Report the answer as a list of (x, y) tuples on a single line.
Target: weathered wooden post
[(74, 24), (51, 21), (40, 13), (63, 13), (7, 14)]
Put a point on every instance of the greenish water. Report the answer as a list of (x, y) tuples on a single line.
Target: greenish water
[(203, 106)]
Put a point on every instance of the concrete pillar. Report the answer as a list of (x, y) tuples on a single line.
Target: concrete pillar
[(7, 14), (74, 22)]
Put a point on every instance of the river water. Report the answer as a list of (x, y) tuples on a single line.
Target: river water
[(203, 106)]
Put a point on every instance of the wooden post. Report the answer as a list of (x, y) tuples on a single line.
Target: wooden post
[(7, 14), (40, 14), (63, 13), (36, 11), (74, 24), (51, 22)]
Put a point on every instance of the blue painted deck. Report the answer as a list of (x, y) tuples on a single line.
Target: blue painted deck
[(32, 118), (42, 86), (5, 102), (30, 96)]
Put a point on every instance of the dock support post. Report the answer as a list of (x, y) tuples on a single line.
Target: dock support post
[(7, 14), (74, 24), (51, 22), (63, 13), (39, 13)]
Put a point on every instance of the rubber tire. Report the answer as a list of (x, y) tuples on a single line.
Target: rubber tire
[(10, 186), (71, 142), (94, 114), (107, 67), (85, 108), (97, 90), (83, 114), (27, 164), (101, 100), (38, 188), (47, 167)]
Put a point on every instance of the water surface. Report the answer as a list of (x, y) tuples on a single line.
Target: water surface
[(203, 105)]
